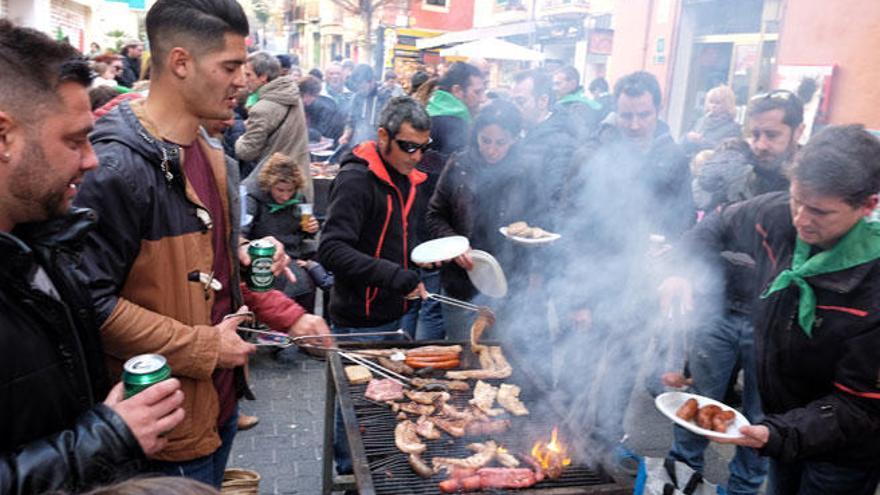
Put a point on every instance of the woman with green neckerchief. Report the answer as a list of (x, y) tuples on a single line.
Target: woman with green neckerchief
[(817, 320), (273, 206)]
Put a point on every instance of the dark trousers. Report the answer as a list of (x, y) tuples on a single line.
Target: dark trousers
[(820, 478)]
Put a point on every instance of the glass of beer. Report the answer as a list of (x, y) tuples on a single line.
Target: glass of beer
[(305, 211)]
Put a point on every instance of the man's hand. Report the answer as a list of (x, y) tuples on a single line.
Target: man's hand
[(312, 226), (418, 293), (754, 436), (233, 350), (280, 261), (465, 261), (676, 289), (695, 137), (676, 380), (311, 325), (150, 413), (345, 137)]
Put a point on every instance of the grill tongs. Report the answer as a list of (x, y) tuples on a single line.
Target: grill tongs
[(458, 303), (283, 340)]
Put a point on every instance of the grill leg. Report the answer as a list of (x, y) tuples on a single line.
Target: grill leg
[(329, 408)]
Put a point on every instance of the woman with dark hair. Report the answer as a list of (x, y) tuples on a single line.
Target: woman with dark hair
[(480, 190)]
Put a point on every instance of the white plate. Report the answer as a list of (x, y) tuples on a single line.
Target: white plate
[(442, 249), (527, 240), (669, 402), (487, 275)]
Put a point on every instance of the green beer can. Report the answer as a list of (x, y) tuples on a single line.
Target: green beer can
[(141, 372), (260, 277)]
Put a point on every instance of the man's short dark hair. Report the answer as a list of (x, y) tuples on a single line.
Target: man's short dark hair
[(542, 83), (32, 67), (404, 109), (264, 64), (637, 84), (779, 99), (459, 73), (598, 85), (197, 25), (284, 60), (309, 85), (570, 73), (840, 162), (317, 74)]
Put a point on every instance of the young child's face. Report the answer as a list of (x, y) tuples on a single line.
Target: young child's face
[(281, 192), (715, 106)]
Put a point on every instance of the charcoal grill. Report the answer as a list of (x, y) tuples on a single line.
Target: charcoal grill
[(380, 468)]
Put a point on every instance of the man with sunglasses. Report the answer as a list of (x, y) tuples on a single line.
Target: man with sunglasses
[(367, 238), (735, 172)]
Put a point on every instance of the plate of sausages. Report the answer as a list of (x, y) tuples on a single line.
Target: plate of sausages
[(701, 415)]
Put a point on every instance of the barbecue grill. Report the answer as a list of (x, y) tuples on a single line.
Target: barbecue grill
[(380, 468)]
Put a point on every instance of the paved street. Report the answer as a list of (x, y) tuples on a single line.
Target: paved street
[(285, 447)]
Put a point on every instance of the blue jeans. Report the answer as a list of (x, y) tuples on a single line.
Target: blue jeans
[(208, 469), (820, 478), (341, 452), (424, 320), (716, 350)]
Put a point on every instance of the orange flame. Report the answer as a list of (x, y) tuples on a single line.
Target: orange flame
[(552, 456)]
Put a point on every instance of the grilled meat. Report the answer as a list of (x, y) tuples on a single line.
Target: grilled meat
[(398, 367), (506, 459), (433, 350), (485, 453), (722, 420), (478, 428), (506, 478), (485, 320), (705, 415), (406, 439), (427, 398), (688, 410), (426, 429), (419, 467), (484, 398), (456, 385), (494, 366), (412, 408), (384, 390), (454, 427), (508, 398)]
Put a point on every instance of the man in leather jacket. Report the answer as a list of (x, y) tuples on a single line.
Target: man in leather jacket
[(54, 431)]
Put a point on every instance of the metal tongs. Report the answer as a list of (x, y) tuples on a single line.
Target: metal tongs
[(282, 340), (458, 303)]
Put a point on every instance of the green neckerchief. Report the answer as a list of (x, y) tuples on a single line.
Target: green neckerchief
[(252, 99), (578, 97), (122, 89), (275, 207), (860, 245), (445, 103)]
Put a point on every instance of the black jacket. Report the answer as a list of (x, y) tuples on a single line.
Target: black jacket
[(364, 115), (474, 199), (131, 72), (284, 225), (366, 240), (820, 394), (54, 434), (449, 134), (324, 117), (546, 153)]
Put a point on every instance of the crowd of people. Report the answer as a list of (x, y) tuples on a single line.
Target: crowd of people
[(132, 192)]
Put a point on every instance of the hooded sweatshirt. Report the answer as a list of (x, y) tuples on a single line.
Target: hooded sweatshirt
[(367, 239), (277, 124), (450, 123)]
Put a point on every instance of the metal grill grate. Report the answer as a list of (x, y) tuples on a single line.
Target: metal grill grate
[(389, 468)]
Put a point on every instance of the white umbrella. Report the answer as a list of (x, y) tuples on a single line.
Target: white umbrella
[(492, 48)]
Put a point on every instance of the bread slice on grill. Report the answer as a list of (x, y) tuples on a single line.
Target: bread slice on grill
[(358, 374)]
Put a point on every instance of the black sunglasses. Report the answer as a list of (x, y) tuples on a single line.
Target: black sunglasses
[(410, 147)]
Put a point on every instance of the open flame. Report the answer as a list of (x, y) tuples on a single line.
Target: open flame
[(552, 456)]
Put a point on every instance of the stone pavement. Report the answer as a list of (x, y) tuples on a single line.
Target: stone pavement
[(285, 447)]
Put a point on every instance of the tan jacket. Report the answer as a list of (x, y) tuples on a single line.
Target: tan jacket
[(153, 235), (277, 124)]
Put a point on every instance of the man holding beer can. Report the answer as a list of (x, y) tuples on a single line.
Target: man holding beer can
[(55, 434), (163, 262)]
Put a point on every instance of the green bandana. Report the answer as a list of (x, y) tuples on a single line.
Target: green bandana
[(443, 103), (578, 97), (252, 99), (860, 245), (274, 207)]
